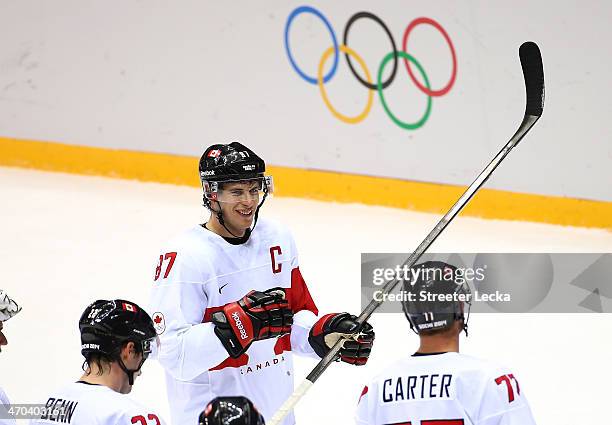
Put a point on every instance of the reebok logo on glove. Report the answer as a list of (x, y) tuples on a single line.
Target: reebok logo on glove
[(256, 316), (243, 333)]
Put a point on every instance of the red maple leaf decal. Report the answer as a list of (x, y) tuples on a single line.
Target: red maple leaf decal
[(157, 319)]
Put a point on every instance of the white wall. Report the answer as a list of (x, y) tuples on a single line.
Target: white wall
[(176, 76)]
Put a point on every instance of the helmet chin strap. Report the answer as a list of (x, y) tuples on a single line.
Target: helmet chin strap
[(247, 233), (129, 372), (465, 318)]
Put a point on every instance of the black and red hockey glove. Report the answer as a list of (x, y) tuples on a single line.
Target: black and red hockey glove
[(331, 327), (258, 315)]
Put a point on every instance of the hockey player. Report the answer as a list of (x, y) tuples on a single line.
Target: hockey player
[(8, 308), (231, 411), (230, 302), (116, 339), (437, 385)]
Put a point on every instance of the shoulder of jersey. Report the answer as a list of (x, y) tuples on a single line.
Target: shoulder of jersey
[(267, 227), (106, 401), (455, 361), (133, 408), (485, 366), (192, 240)]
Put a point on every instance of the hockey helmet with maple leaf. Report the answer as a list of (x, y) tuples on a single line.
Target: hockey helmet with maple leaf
[(106, 326)]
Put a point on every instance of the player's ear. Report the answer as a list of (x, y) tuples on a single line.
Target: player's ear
[(128, 351), (214, 206)]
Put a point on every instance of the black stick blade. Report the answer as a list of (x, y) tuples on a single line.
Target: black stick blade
[(531, 61)]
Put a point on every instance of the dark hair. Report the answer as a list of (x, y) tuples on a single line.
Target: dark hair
[(102, 360)]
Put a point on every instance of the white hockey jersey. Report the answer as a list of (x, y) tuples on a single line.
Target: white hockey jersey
[(198, 273), (444, 389), (4, 413), (80, 403)]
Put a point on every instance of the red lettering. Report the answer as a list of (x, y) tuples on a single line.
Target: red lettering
[(273, 249), (506, 380), (172, 257), (158, 268), (168, 256)]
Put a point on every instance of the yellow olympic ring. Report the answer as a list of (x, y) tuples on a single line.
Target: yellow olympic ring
[(341, 117)]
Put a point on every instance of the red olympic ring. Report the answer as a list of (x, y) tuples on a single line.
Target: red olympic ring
[(436, 25)]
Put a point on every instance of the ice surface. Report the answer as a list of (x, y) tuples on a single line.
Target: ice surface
[(67, 240)]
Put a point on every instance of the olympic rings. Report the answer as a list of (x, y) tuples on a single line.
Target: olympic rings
[(347, 51), (321, 79), (404, 125), (437, 26)]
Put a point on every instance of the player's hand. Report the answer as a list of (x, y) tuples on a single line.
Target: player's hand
[(258, 315), (331, 327), (8, 307)]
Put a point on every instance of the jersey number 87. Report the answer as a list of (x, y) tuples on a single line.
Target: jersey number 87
[(168, 256)]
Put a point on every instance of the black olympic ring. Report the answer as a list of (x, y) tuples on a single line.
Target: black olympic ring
[(376, 19)]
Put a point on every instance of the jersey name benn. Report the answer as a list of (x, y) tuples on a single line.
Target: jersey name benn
[(416, 387), (58, 410)]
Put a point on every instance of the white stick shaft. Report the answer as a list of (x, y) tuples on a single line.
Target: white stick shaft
[(290, 403)]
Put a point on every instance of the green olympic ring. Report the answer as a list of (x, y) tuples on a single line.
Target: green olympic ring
[(379, 88)]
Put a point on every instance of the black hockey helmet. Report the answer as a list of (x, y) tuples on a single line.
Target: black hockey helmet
[(231, 411), (446, 294), (106, 325), (233, 162)]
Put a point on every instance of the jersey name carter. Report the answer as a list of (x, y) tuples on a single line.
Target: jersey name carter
[(446, 388), (416, 387)]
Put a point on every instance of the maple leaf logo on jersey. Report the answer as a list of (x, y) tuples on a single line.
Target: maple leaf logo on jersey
[(159, 323)]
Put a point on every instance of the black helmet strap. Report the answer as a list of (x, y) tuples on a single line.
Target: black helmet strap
[(129, 372), (247, 234)]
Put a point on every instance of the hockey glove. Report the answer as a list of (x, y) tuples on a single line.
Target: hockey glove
[(259, 315), (8, 307), (329, 328)]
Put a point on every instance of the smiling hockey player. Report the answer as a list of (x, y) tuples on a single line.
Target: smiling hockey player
[(229, 301)]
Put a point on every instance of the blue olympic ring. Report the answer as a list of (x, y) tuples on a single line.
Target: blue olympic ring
[(294, 14)]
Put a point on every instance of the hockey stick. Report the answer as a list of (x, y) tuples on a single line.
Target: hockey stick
[(531, 62)]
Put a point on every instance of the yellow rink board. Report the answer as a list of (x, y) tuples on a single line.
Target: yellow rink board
[(312, 184)]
